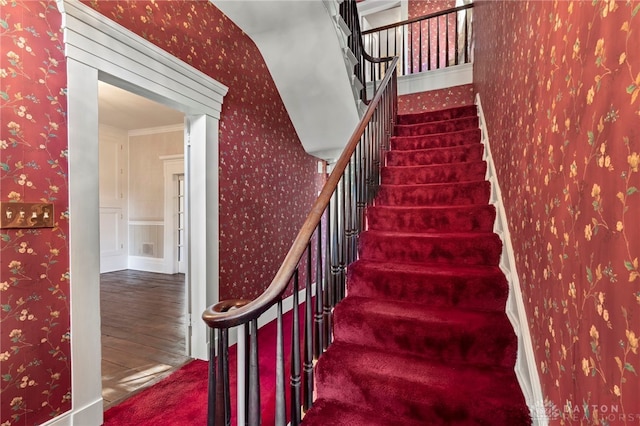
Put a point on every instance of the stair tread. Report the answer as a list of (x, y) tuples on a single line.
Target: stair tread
[(417, 209), (428, 269), (474, 337), (477, 287), (436, 165), (418, 312), (436, 122), (428, 379), (458, 111), (435, 148), (429, 235), (473, 131), (336, 413), (440, 184)]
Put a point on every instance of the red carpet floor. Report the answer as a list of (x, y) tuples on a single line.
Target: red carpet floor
[(422, 337), (181, 398)]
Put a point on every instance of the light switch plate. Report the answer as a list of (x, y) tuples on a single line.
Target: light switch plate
[(26, 215)]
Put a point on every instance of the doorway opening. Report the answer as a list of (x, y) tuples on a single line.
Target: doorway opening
[(143, 307), (100, 50)]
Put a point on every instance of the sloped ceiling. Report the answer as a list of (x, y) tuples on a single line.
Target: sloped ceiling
[(301, 48)]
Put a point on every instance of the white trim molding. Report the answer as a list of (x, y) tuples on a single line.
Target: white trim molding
[(436, 79), (97, 49), (173, 165), (526, 367), (132, 63), (425, 81)]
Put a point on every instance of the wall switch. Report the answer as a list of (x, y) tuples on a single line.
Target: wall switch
[(26, 215)]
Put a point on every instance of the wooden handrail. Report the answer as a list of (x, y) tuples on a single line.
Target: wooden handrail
[(419, 18), (219, 316)]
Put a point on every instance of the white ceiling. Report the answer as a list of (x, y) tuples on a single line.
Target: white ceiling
[(125, 110)]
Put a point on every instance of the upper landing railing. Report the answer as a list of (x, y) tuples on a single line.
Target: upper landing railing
[(430, 42)]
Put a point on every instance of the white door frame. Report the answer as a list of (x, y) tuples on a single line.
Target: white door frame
[(99, 49), (173, 165)]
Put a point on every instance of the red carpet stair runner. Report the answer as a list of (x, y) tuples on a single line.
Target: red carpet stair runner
[(422, 337)]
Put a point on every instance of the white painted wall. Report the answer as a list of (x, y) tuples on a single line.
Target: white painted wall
[(302, 50)]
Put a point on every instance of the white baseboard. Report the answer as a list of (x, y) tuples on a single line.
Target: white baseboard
[(526, 367), (147, 264), (90, 414)]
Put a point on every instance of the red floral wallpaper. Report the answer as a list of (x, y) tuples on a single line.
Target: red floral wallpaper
[(560, 83), (417, 8), (436, 99), (267, 181), (35, 370)]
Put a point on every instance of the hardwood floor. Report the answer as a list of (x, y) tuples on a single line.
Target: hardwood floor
[(143, 330)]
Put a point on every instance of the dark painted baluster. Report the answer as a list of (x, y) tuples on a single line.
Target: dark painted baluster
[(212, 397), (308, 337), (457, 43), (466, 37), (347, 213), (328, 278), (420, 46), (341, 240), (360, 199), (354, 210), (446, 56), (295, 357), (281, 406), (372, 159), (365, 164), (380, 130), (438, 43), (254, 376), (223, 397), (395, 43), (411, 48), (318, 332), (247, 360), (429, 44), (335, 246), (403, 63)]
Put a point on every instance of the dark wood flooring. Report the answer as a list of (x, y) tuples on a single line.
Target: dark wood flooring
[(143, 330)]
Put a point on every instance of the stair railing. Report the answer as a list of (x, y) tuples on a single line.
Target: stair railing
[(325, 245), (429, 42), (365, 74)]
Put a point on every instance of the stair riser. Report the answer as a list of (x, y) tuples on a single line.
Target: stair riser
[(439, 291), (447, 114), (459, 172), (480, 219), (471, 152), (447, 250), (444, 140), (483, 344), (434, 195), (437, 127)]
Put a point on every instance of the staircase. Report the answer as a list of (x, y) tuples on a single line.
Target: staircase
[(422, 336)]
